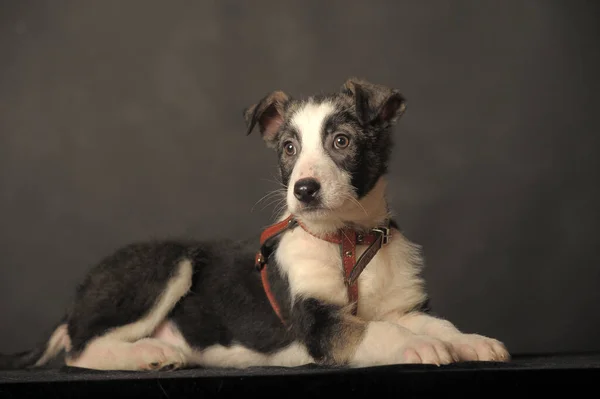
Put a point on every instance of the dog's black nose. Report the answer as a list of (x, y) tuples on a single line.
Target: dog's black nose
[(306, 189)]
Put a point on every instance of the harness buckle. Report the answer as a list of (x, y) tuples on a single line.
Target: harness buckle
[(259, 261), (385, 233)]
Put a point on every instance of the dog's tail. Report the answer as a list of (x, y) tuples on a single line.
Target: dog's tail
[(41, 354)]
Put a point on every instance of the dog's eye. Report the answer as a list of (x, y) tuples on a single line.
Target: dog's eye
[(341, 141), (289, 148)]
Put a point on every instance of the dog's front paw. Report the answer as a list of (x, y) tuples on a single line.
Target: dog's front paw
[(422, 349), (474, 347)]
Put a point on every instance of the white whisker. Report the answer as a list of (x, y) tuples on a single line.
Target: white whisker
[(279, 208), (354, 200), (274, 201), (276, 192)]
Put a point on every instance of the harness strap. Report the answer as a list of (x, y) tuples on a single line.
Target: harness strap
[(266, 249), (346, 238)]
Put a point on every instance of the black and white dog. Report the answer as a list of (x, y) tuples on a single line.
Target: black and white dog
[(338, 284)]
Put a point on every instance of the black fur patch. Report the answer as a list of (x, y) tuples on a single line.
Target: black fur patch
[(227, 303), (366, 157), (424, 307), (122, 289), (316, 324), (226, 294), (280, 288)]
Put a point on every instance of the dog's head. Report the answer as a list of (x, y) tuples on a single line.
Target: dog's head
[(332, 148)]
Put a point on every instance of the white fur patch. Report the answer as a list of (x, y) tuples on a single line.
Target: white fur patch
[(388, 343), (421, 323), (312, 266), (144, 354), (469, 347), (390, 282), (381, 344), (314, 162), (236, 355)]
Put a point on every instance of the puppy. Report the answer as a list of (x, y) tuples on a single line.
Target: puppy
[(332, 282)]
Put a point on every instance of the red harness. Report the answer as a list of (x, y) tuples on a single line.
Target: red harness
[(346, 238)]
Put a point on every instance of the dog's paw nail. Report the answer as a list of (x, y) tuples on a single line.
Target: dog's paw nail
[(473, 347)]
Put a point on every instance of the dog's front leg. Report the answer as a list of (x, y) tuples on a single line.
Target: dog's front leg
[(467, 346), (333, 336)]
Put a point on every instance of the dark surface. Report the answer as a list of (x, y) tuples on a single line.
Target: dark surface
[(122, 121), (524, 373)]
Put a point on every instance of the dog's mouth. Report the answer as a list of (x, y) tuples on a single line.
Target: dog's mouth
[(311, 208), (317, 208), (313, 211)]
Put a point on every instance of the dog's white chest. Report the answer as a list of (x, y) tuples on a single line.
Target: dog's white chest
[(314, 269), (392, 280), (312, 266)]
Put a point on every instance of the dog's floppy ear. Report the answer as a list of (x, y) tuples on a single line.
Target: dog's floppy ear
[(267, 113), (375, 103)]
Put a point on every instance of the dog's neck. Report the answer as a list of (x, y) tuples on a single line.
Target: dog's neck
[(367, 213)]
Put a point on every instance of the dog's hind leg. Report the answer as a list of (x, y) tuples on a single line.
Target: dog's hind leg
[(130, 346), (106, 353)]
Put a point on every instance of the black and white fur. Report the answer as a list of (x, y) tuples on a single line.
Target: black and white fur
[(166, 305)]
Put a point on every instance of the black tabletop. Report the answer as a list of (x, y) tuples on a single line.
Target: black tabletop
[(524, 373)]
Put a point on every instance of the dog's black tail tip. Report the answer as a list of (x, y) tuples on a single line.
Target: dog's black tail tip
[(40, 354), (21, 360)]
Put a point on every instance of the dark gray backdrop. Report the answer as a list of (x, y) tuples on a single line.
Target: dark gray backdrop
[(121, 121)]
